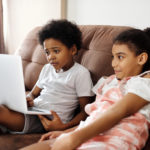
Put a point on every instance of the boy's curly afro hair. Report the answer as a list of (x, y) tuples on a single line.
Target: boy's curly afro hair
[(65, 31)]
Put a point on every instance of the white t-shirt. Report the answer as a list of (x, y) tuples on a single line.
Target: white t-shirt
[(136, 85), (60, 91)]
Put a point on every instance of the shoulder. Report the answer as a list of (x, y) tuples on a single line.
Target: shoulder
[(47, 66), (146, 76), (81, 67), (138, 82), (81, 73), (138, 79), (139, 86)]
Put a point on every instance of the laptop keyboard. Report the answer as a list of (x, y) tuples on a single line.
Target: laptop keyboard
[(36, 109)]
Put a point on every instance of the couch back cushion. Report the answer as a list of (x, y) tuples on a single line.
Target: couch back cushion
[(95, 53)]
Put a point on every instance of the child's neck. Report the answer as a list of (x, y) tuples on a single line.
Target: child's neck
[(65, 68), (68, 66)]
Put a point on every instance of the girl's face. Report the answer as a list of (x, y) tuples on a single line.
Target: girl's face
[(58, 54), (125, 63)]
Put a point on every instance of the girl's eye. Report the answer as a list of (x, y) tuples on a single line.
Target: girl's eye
[(120, 57)]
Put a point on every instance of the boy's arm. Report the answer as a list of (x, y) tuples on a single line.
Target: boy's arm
[(33, 94), (79, 116), (57, 124), (35, 91)]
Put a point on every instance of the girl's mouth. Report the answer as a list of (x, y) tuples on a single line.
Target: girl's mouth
[(116, 72)]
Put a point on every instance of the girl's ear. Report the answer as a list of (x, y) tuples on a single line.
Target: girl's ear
[(142, 58), (74, 49)]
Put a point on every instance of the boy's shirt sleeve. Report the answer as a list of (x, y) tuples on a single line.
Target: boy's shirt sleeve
[(84, 84), (42, 74)]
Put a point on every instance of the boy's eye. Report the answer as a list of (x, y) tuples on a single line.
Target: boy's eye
[(47, 52), (56, 51)]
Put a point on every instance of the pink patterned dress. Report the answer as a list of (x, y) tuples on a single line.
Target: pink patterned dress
[(131, 132)]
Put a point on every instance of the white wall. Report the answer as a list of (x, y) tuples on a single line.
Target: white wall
[(20, 16), (134, 13)]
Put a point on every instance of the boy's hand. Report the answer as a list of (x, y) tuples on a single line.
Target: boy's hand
[(52, 125), (30, 99), (50, 135)]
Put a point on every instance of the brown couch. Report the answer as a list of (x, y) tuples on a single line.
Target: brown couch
[(95, 54)]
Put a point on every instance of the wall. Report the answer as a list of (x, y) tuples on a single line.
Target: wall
[(134, 13), (23, 15), (20, 16)]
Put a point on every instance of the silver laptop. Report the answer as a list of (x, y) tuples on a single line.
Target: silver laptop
[(12, 89)]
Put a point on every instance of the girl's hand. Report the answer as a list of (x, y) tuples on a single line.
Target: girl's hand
[(65, 142), (50, 135), (30, 99), (52, 125)]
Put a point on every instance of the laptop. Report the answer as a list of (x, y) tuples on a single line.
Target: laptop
[(12, 89)]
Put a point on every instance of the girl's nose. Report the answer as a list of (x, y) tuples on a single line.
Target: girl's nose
[(114, 63)]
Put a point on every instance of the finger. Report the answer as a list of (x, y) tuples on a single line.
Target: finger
[(42, 138), (43, 118), (44, 125), (45, 137), (54, 113), (55, 116), (29, 98), (45, 122), (54, 135), (30, 103)]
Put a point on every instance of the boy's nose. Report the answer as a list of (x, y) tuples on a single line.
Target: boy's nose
[(50, 57)]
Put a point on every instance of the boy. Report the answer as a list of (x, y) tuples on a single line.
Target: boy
[(62, 84)]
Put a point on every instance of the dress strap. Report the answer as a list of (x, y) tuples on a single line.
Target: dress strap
[(108, 80), (144, 73)]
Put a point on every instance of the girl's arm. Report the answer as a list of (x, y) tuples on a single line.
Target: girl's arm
[(128, 105), (55, 134)]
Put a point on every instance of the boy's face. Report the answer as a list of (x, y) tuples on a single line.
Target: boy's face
[(125, 62), (58, 54)]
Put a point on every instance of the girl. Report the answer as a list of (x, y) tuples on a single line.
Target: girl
[(120, 115)]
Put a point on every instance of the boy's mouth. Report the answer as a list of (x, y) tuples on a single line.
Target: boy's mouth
[(54, 63)]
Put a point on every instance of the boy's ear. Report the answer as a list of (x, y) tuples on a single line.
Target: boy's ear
[(142, 58), (74, 49)]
